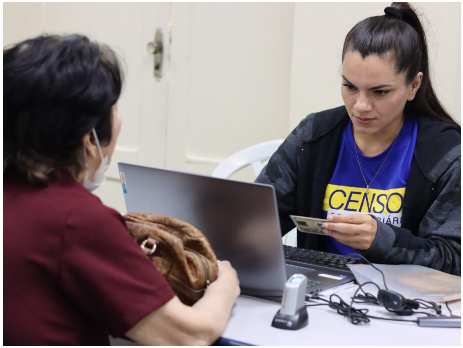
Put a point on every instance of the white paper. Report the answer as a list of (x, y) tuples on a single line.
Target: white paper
[(412, 281), (336, 289)]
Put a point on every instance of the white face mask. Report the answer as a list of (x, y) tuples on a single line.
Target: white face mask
[(98, 178)]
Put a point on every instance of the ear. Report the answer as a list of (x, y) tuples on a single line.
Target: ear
[(415, 86), (90, 146)]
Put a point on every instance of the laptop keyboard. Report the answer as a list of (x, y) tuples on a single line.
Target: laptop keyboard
[(319, 258)]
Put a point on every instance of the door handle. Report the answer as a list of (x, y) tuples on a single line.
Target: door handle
[(157, 49)]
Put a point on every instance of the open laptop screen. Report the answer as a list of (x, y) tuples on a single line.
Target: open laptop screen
[(240, 219)]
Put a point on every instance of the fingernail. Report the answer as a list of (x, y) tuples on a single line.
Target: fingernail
[(324, 225), (329, 218)]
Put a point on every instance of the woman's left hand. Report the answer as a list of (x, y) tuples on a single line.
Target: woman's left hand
[(355, 230)]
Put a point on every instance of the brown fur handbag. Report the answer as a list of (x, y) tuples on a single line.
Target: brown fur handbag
[(179, 251)]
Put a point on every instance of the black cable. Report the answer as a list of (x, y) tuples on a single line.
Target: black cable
[(376, 268), (450, 311), (391, 319), (315, 305), (429, 305), (367, 298), (423, 303), (316, 297), (355, 295), (356, 316), (370, 296)]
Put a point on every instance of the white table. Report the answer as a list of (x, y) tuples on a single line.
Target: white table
[(251, 319)]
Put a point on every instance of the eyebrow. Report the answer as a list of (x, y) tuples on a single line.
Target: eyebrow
[(375, 87)]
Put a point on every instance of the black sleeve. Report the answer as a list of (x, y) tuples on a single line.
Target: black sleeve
[(282, 172), (438, 243)]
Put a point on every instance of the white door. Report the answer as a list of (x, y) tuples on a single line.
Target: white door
[(225, 84), (127, 28), (229, 80)]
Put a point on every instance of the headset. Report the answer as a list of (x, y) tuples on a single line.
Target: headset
[(390, 300), (395, 302)]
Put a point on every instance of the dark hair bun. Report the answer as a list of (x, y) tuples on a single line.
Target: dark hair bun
[(393, 12)]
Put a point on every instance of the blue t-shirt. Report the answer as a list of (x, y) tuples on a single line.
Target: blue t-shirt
[(346, 192)]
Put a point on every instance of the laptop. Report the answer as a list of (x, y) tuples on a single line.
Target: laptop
[(240, 220)]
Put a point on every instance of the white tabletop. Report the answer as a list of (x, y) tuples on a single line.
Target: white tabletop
[(251, 319)]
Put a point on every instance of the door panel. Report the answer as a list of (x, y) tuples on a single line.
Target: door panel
[(127, 28), (230, 80)]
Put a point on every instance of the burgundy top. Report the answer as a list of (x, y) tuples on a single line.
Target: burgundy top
[(71, 272)]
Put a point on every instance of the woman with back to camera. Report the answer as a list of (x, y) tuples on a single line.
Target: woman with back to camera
[(72, 273), (385, 167)]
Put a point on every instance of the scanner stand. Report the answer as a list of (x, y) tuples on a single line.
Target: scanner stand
[(291, 322)]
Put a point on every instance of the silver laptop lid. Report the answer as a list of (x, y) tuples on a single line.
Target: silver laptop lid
[(240, 219)]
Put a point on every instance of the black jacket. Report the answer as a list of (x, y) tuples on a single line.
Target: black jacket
[(430, 234)]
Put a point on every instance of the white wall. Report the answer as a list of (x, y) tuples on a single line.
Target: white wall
[(235, 74), (229, 80), (319, 33)]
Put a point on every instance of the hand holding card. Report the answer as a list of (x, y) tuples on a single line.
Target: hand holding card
[(308, 224)]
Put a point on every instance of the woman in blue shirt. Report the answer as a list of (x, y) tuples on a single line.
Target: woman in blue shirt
[(384, 169)]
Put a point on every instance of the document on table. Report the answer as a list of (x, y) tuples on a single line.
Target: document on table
[(336, 289), (412, 281)]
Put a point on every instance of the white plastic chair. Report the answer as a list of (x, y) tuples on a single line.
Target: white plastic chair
[(252, 156)]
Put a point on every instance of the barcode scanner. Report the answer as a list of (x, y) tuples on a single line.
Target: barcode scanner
[(293, 313)]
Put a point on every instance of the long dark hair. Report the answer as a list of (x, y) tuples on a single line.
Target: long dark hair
[(55, 90), (400, 31)]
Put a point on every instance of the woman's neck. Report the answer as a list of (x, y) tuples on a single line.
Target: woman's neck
[(373, 144)]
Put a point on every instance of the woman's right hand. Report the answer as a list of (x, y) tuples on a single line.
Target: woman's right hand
[(174, 323), (228, 279)]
